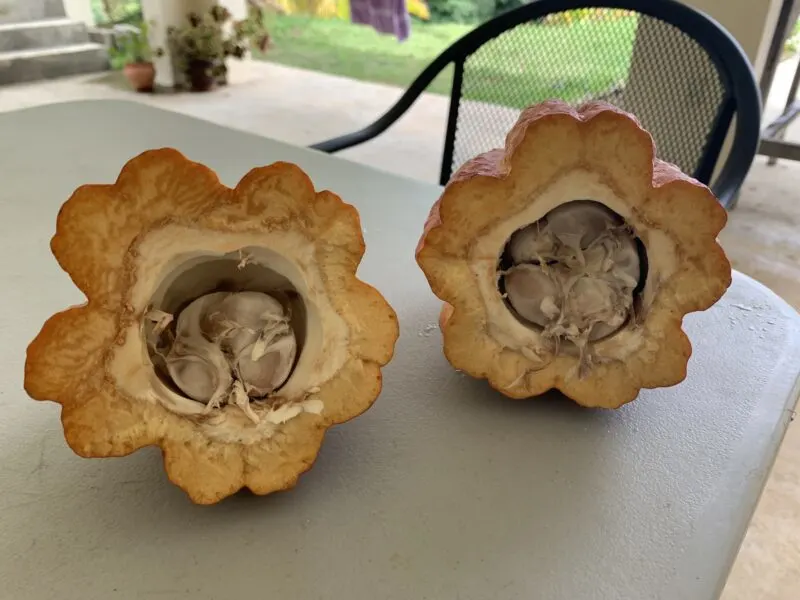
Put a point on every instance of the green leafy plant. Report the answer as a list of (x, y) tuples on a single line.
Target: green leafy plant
[(461, 11), (207, 40), (111, 12), (131, 46), (501, 6), (792, 44)]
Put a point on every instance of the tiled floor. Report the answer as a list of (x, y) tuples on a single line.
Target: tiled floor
[(762, 236)]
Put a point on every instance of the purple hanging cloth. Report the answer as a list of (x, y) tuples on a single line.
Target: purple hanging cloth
[(385, 16)]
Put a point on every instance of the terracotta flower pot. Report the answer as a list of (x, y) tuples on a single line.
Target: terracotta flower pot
[(200, 75), (140, 75)]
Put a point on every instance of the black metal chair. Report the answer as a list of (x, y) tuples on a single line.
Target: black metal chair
[(686, 79)]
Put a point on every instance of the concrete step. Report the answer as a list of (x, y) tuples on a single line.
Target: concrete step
[(47, 63), (15, 11), (42, 34)]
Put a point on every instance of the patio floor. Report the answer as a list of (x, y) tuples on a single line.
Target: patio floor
[(762, 237)]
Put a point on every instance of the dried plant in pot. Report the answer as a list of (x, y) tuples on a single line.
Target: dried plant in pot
[(226, 326), (568, 258), (203, 44)]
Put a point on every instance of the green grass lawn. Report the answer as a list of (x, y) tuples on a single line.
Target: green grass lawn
[(529, 64)]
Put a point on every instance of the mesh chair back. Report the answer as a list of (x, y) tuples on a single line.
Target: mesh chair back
[(637, 62)]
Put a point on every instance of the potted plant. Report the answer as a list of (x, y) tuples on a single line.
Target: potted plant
[(201, 47), (131, 50)]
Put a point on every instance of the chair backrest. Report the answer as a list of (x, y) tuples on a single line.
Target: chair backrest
[(678, 70)]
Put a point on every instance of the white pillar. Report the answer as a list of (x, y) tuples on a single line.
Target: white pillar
[(238, 8), (80, 10)]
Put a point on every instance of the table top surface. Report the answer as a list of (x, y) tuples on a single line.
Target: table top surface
[(443, 490)]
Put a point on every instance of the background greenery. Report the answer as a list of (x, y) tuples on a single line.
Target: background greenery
[(573, 57), (793, 43), (469, 11), (109, 12), (341, 48)]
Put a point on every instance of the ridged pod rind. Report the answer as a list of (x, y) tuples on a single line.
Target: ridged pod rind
[(99, 230), (548, 145)]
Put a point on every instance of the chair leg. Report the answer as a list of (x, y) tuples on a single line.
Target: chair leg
[(790, 112), (734, 200)]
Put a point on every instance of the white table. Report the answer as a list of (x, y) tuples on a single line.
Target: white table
[(443, 490)]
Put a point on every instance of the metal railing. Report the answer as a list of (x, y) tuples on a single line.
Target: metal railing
[(772, 143)]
